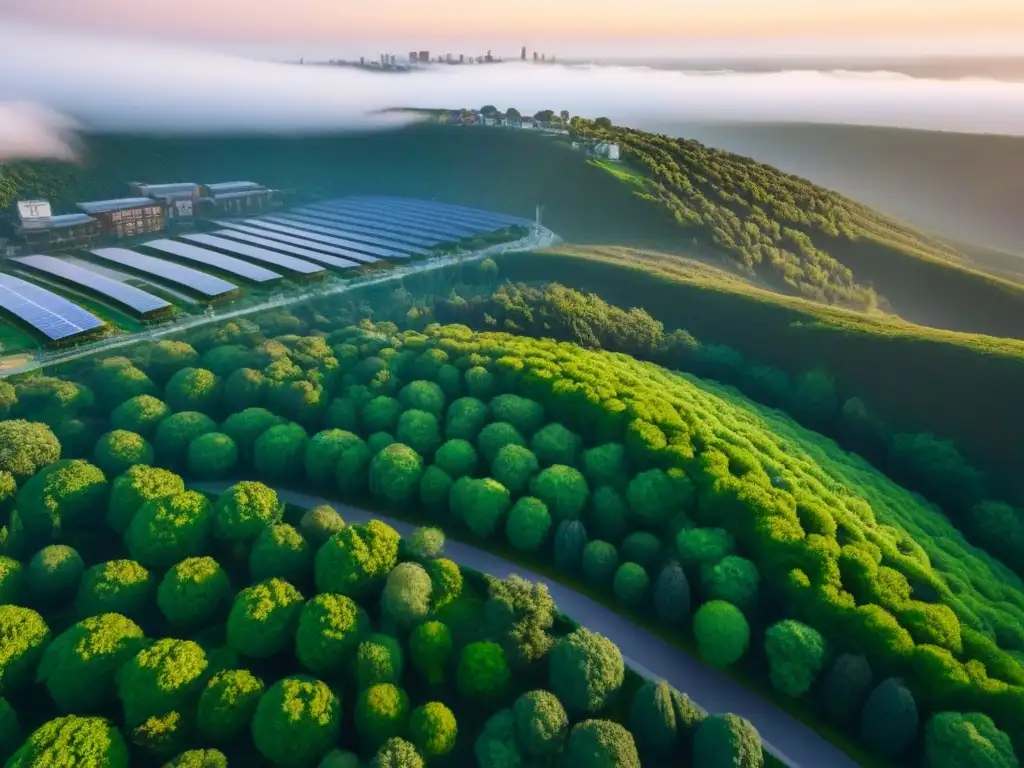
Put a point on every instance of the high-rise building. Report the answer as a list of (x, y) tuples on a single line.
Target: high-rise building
[(424, 57), (534, 55), (462, 58), (412, 57), (523, 56)]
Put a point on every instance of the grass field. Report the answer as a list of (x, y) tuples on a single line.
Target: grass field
[(14, 340)]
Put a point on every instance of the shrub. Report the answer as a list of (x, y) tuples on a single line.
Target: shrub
[(423, 396), (279, 452), (26, 447), (542, 724), (933, 624), (431, 650), (433, 729), (672, 595), (330, 629), (585, 671), (554, 444), (727, 741), (570, 541), (496, 745), (513, 467), (244, 510), (425, 543), (25, 638), (493, 437), (397, 753), (319, 524), (889, 720), (796, 653), (165, 531), (528, 524), (406, 597), (642, 548), (166, 357), (631, 584), (655, 495), (54, 574), (378, 660), (193, 389), (845, 687), (116, 586), (227, 705), (72, 740), (395, 474), (480, 382), (60, 497), (420, 431), (342, 413), (722, 633), (161, 678), (245, 427), (339, 758), (662, 720), (263, 619), (381, 414), (479, 503), (297, 721), (457, 458), (280, 551), (953, 739), (519, 614), (703, 546), (382, 712), (605, 465), (733, 579), (119, 450), (199, 758), (140, 414), (80, 666), (175, 433), (12, 580), (193, 591), (244, 388), (357, 559), (563, 489), (601, 744), (226, 358), (213, 455), (600, 560), (446, 580), (483, 673), (607, 518)]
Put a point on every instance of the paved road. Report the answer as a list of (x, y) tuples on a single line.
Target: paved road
[(784, 736)]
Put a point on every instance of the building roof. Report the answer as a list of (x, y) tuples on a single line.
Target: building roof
[(233, 186), (33, 210), (56, 222), (123, 203), (241, 193), (168, 189)]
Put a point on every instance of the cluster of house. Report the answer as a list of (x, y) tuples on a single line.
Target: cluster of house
[(603, 149), (148, 209)]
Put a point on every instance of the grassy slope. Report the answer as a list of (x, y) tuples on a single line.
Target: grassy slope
[(961, 386)]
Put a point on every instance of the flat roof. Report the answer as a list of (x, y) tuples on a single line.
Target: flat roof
[(105, 206), (233, 186), (240, 193), (163, 189), (56, 222)]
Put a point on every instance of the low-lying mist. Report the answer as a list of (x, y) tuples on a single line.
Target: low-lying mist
[(118, 85)]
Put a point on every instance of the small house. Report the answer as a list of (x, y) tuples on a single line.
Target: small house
[(38, 228), (127, 216), (607, 150), (237, 197)]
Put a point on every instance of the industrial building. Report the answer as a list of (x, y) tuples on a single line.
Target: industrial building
[(180, 200), (39, 228), (237, 197), (127, 216)]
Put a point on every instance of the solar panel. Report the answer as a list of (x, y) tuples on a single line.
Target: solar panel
[(360, 251), (455, 208), (200, 282), (128, 295), (413, 236), (394, 213), (342, 230), (295, 239), (52, 315), (320, 258), (442, 211), (376, 220), (260, 254), (213, 259), (378, 247)]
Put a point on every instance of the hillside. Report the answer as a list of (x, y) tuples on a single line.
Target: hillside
[(840, 252)]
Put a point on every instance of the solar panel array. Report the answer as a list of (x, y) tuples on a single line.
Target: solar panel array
[(459, 229), (440, 211), (304, 242), (321, 258), (355, 252), (377, 248), (417, 232), (260, 254), (382, 239), (228, 264), (52, 315), (200, 282), (362, 226), (128, 295)]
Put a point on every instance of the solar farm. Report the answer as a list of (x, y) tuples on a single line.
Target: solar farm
[(77, 295)]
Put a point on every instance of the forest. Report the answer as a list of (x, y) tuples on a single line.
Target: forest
[(776, 553)]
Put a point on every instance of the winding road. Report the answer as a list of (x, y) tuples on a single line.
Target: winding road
[(783, 735)]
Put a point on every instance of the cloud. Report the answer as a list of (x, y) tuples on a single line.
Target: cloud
[(117, 85)]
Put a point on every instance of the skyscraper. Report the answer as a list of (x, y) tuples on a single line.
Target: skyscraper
[(523, 56)]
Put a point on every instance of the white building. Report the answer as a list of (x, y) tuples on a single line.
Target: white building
[(34, 212), (607, 150)]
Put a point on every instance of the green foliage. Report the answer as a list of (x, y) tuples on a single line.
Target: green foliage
[(119, 450), (420, 430), (496, 745), (519, 614), (382, 712), (279, 452), (330, 629), (406, 596), (170, 529), (662, 720), (796, 653), (227, 705), (423, 396), (244, 510), (395, 474), (193, 591), (542, 724), (631, 584), (528, 524), (263, 619), (378, 660), (607, 516), (466, 418), (601, 744), (457, 458), (115, 382), (338, 758), (141, 414), (89, 742), (526, 416), (381, 414), (446, 579), (244, 388), (397, 753), (280, 551), (563, 489), (161, 678), (480, 503), (12, 578), (54, 574), (733, 579), (483, 673), (431, 651), (643, 548), (585, 671), (10, 728), (722, 633), (60, 497), (513, 467), (435, 489), (480, 382), (166, 357), (319, 524), (554, 444), (655, 495), (357, 559), (672, 595), (424, 543), (80, 666), (599, 563), (605, 465), (433, 729), (889, 720), (25, 636), (954, 739), (699, 547), (116, 586), (297, 721), (210, 456), (495, 436), (199, 758), (844, 688), (570, 541), (226, 358), (727, 741), (175, 433), (194, 389), (246, 426)]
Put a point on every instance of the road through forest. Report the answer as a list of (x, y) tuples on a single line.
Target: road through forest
[(785, 736)]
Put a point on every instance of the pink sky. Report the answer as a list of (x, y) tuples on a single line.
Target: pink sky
[(738, 21)]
